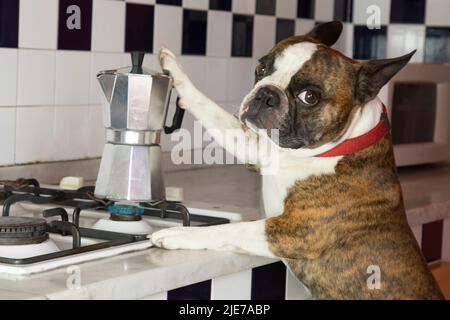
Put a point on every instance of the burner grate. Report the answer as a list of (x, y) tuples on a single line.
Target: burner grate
[(29, 190), (22, 230)]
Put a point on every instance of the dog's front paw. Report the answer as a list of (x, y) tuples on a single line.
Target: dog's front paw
[(169, 63), (178, 238)]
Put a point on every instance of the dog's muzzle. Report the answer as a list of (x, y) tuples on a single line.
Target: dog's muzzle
[(266, 104)]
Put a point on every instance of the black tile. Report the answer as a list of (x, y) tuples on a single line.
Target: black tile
[(198, 291), (9, 23), (413, 112), (139, 27), (437, 45), (269, 282), (369, 44), (169, 2), (194, 32), (242, 42), (285, 29), (74, 25), (343, 10), (432, 240), (408, 11), (224, 5), (305, 9), (266, 7)]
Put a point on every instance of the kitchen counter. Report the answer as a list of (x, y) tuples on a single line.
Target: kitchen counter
[(145, 274)]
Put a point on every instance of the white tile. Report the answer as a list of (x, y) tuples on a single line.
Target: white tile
[(97, 133), (360, 8), (8, 135), (196, 4), (403, 39), (417, 231), (295, 290), (217, 74), (36, 72), (108, 26), (219, 34), (158, 296), (240, 78), (101, 62), (194, 67), (446, 241), (38, 24), (287, 9), (324, 10), (34, 134), (345, 42), (303, 26), (264, 35), (72, 77), (8, 78), (437, 13), (168, 28), (244, 6), (235, 286), (71, 132)]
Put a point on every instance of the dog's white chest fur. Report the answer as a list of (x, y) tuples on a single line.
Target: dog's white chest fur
[(275, 188)]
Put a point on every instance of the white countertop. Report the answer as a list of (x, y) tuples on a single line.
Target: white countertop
[(131, 276), (141, 274)]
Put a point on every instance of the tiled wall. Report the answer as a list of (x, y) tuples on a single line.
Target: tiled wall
[(49, 104)]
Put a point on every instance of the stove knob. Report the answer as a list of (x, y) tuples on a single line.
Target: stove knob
[(174, 194), (71, 183)]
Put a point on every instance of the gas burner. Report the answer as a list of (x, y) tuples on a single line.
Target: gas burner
[(23, 237), (22, 230), (125, 212), (125, 218)]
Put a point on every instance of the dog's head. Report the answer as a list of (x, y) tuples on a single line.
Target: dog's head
[(309, 91)]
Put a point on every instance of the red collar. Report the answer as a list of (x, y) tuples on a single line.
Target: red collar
[(353, 145)]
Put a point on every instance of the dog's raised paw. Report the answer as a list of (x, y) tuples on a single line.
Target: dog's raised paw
[(168, 61)]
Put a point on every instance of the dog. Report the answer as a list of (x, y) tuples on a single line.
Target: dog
[(334, 208)]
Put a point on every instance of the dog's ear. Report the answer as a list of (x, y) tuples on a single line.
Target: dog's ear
[(327, 33), (374, 74)]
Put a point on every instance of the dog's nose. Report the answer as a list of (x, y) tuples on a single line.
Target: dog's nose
[(267, 97)]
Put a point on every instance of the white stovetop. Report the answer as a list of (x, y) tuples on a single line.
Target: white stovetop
[(116, 274)]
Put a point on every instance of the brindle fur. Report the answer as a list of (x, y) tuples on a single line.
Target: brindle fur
[(335, 226)]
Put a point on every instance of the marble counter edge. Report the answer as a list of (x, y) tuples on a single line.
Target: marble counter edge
[(429, 213), (162, 278)]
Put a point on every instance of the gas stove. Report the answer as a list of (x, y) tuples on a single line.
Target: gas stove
[(43, 228)]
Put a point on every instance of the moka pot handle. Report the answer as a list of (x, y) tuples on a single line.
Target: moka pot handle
[(177, 119)]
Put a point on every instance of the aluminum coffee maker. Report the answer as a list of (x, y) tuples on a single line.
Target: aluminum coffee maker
[(135, 103)]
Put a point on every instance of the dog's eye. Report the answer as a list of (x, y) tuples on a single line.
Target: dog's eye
[(309, 97), (260, 70)]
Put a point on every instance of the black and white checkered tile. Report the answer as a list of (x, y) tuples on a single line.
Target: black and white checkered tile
[(236, 28), (269, 282), (51, 50)]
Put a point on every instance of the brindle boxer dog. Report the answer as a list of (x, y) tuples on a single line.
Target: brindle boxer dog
[(335, 204)]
